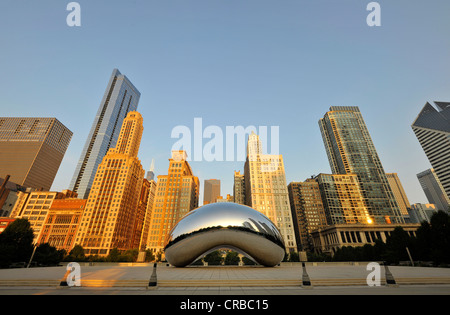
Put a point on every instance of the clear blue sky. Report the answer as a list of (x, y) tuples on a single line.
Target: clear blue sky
[(232, 62)]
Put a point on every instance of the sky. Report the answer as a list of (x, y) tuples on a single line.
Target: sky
[(232, 63)]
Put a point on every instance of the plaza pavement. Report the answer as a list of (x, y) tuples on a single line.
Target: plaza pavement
[(326, 278)]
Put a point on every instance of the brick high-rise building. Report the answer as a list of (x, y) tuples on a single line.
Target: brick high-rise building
[(111, 210)]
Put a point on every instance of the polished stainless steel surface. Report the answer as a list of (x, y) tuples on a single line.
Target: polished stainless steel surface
[(224, 225)]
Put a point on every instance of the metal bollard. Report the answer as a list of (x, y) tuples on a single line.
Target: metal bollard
[(390, 281), (306, 282), (153, 279)]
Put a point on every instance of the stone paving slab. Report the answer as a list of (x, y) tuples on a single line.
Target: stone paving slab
[(290, 275)]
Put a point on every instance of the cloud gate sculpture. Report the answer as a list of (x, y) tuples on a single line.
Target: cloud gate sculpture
[(224, 225)]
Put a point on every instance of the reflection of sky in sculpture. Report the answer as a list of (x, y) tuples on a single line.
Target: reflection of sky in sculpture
[(225, 215)]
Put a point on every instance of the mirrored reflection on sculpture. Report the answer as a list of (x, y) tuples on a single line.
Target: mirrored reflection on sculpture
[(224, 225)]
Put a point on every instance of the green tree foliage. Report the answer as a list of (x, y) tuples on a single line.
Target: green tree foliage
[(16, 243), (431, 243), (76, 254), (214, 258), (47, 255), (232, 258), (247, 261)]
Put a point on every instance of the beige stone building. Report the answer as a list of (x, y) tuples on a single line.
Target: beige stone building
[(109, 220), (177, 193), (266, 189)]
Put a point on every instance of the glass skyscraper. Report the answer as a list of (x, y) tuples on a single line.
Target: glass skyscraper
[(121, 97), (350, 150), (432, 129)]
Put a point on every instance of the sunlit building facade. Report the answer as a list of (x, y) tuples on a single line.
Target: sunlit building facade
[(62, 222), (266, 189), (399, 193), (109, 220), (35, 206), (350, 151), (120, 98), (177, 193)]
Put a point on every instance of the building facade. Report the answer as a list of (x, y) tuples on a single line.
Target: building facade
[(35, 206), (109, 220), (307, 210), (350, 150), (343, 199), (266, 189), (432, 129), (120, 98), (211, 191), (331, 238), (239, 188), (32, 150), (399, 193), (62, 222), (144, 242), (177, 193), (433, 189)]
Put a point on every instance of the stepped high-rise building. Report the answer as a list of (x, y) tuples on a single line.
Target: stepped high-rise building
[(120, 98), (350, 151), (113, 205), (433, 189), (211, 191), (32, 149), (266, 189), (432, 129), (177, 193)]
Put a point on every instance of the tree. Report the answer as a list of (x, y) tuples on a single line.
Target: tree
[(232, 258), (47, 255), (214, 258), (16, 243), (440, 237), (76, 254), (396, 245), (114, 255)]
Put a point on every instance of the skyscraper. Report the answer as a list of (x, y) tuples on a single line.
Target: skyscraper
[(120, 98), (31, 150), (350, 150), (399, 193), (432, 129), (266, 189), (239, 188), (433, 189), (109, 220), (307, 209), (211, 191), (177, 193)]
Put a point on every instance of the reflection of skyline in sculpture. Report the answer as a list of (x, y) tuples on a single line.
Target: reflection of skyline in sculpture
[(224, 225)]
